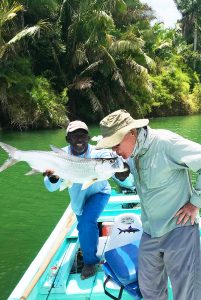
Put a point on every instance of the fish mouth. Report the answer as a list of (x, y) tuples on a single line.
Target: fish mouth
[(119, 165), (122, 155)]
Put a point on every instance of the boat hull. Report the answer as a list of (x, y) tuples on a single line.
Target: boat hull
[(56, 280)]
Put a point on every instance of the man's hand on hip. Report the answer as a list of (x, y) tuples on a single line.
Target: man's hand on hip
[(188, 211)]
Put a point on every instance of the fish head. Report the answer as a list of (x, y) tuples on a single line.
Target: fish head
[(109, 166), (118, 165), (115, 163)]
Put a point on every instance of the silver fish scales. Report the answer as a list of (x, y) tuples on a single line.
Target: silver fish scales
[(70, 168)]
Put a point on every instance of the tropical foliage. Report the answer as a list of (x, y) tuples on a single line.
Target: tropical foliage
[(84, 59), (191, 27), (19, 86)]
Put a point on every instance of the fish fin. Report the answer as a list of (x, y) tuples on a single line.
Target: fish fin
[(8, 163), (57, 150), (32, 172), (88, 184), (65, 184), (9, 149)]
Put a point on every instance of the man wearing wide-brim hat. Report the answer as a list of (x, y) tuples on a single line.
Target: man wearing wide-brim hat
[(160, 161)]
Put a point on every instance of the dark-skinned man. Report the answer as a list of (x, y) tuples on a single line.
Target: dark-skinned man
[(87, 204)]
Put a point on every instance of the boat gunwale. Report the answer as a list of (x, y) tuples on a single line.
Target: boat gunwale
[(35, 265)]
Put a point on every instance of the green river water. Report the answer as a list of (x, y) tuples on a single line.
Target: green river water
[(28, 212)]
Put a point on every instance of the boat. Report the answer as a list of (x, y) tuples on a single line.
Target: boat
[(55, 272)]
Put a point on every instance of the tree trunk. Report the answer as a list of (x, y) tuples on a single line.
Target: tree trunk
[(195, 39)]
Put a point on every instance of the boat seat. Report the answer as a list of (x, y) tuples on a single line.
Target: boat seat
[(127, 228)]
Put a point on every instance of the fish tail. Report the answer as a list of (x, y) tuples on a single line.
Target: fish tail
[(11, 161), (9, 149)]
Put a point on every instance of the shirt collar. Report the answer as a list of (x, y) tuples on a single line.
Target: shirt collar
[(143, 142)]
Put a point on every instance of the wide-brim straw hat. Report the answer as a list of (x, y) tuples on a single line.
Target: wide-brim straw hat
[(115, 126)]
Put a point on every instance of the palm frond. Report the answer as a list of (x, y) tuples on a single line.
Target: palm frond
[(92, 67), (110, 60), (2, 50), (79, 57), (81, 83), (109, 38), (119, 5), (123, 46), (103, 18), (8, 12), (150, 62), (138, 69), (117, 77), (131, 35), (95, 102), (165, 44), (29, 31)]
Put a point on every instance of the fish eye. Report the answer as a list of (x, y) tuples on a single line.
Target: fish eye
[(112, 160)]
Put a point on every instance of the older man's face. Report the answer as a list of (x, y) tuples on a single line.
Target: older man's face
[(126, 147)]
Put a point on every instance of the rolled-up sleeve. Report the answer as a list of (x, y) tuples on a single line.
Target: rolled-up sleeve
[(52, 187)]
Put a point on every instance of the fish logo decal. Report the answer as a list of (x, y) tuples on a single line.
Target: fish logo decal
[(129, 230)]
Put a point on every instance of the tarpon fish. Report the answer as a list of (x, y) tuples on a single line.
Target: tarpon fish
[(69, 168), (129, 230)]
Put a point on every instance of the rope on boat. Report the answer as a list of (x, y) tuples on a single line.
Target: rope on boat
[(70, 221)]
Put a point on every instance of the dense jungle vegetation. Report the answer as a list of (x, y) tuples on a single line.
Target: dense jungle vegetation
[(86, 58)]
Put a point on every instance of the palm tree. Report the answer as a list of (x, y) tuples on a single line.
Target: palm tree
[(102, 57), (190, 10), (7, 13), (9, 48)]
